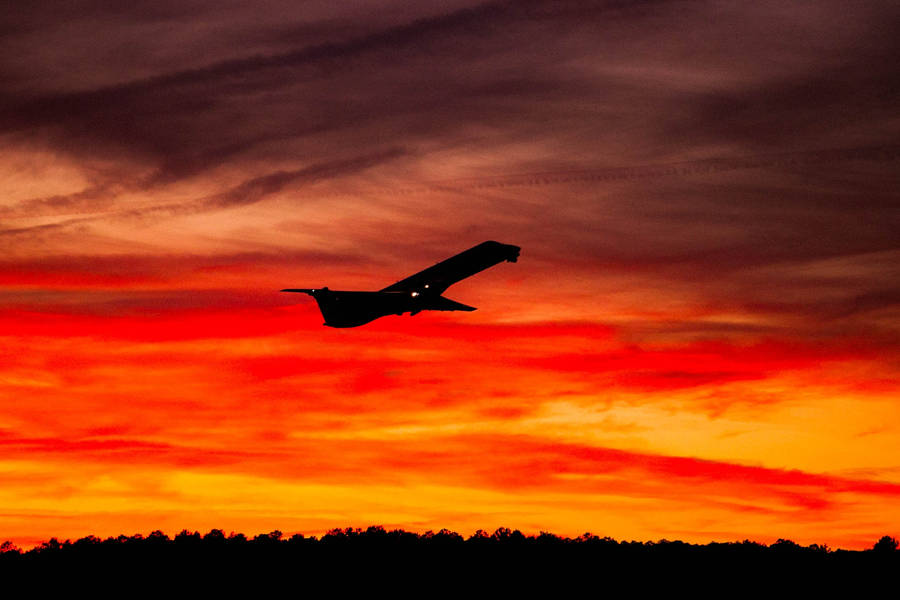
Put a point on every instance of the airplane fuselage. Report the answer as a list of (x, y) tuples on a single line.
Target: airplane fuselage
[(343, 308)]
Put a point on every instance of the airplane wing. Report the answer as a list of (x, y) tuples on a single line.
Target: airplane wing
[(439, 277)]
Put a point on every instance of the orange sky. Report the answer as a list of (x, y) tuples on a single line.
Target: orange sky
[(699, 341)]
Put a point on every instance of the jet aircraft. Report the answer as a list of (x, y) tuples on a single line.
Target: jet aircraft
[(422, 291)]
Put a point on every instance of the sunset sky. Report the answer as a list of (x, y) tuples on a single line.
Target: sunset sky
[(700, 340)]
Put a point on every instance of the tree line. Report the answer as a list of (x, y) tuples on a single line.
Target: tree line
[(377, 536), (378, 555)]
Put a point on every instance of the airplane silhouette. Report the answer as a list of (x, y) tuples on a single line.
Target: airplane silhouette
[(416, 293)]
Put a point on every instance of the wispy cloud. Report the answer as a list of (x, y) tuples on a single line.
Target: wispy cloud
[(246, 193)]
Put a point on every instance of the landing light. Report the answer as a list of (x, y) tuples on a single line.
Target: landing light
[(414, 294)]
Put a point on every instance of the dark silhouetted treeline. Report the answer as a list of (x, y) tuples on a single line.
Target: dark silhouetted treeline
[(350, 557)]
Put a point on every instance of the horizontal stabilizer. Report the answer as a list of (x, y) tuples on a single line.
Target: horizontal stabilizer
[(301, 290)]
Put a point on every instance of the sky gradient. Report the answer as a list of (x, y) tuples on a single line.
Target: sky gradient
[(700, 341)]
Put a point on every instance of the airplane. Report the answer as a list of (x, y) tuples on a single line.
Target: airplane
[(422, 291)]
